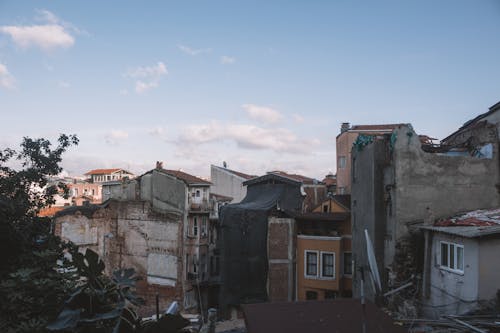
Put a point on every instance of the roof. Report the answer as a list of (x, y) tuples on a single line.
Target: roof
[(186, 177), (50, 211), (274, 176), (469, 123), (340, 315), (237, 173), (299, 178), (220, 197), (105, 171), (467, 232), (343, 200), (376, 128), (471, 224), (481, 217), (332, 217), (330, 180)]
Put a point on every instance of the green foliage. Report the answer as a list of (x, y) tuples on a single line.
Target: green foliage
[(34, 275)]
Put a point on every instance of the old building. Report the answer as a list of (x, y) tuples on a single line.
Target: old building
[(105, 175), (228, 183), (398, 183), (158, 224), (257, 242), (460, 270), (344, 142), (324, 261)]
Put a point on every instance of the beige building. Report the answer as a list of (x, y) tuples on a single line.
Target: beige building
[(345, 140)]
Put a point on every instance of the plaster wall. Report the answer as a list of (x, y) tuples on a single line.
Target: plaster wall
[(227, 184), (451, 292), (489, 274)]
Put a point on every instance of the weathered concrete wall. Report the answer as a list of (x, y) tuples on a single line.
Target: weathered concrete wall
[(445, 184), (368, 212), (227, 184), (489, 274), (281, 258), (450, 292)]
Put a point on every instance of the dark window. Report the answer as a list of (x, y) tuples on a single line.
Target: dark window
[(327, 265), (195, 226), (330, 294), (347, 263), (311, 263), (311, 295)]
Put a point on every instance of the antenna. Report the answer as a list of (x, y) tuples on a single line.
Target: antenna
[(372, 262)]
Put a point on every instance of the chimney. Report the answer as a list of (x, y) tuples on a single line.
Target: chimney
[(344, 127), (159, 165)]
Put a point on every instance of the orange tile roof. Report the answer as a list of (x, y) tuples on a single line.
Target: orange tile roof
[(49, 211), (103, 171)]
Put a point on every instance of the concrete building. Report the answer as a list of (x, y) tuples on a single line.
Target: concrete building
[(344, 142), (461, 265), (228, 183), (158, 224), (397, 183)]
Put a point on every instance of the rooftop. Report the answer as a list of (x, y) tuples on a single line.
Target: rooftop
[(482, 217), (105, 171), (299, 178), (376, 128), (186, 177), (237, 173)]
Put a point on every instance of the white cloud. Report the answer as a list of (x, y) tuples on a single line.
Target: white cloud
[(114, 137), (6, 79), (53, 33), (191, 51), (226, 60), (148, 76), (247, 136), (157, 131), (263, 114)]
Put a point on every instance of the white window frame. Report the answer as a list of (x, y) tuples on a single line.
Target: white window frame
[(323, 277), (317, 264), (448, 267), (342, 162)]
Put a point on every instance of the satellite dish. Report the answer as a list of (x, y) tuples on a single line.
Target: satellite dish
[(372, 262)]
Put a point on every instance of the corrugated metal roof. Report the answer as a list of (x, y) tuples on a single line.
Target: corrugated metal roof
[(341, 316), (467, 232)]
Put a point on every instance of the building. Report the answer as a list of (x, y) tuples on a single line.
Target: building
[(105, 175), (257, 243), (397, 183), (324, 255), (460, 270), (158, 224), (228, 183), (344, 143)]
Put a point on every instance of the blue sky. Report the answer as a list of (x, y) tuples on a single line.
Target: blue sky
[(262, 85)]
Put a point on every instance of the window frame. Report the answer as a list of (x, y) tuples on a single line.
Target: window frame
[(322, 276), (316, 253), (451, 254), (342, 162), (350, 264)]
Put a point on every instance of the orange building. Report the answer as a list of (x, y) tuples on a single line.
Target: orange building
[(345, 141), (324, 263)]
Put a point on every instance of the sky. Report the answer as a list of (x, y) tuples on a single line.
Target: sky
[(261, 85)]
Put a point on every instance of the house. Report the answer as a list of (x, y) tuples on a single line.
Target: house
[(341, 315), (460, 269), (257, 242), (158, 224), (344, 143), (104, 175), (228, 183), (330, 182), (397, 182), (324, 255)]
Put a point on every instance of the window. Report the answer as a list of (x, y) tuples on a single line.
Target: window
[(341, 190), (342, 162), (347, 263), (204, 226), (195, 226), (93, 192), (311, 295), (108, 177), (330, 294), (197, 193), (452, 257), (203, 263), (325, 208), (195, 264), (311, 263), (187, 264), (75, 192), (327, 265)]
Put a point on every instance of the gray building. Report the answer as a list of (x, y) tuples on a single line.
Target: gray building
[(228, 183)]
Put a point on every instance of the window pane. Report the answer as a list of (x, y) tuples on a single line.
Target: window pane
[(452, 256), (444, 254), (327, 265), (312, 263), (311, 295), (348, 263), (460, 258)]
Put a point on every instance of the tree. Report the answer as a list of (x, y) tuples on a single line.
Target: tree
[(34, 282)]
